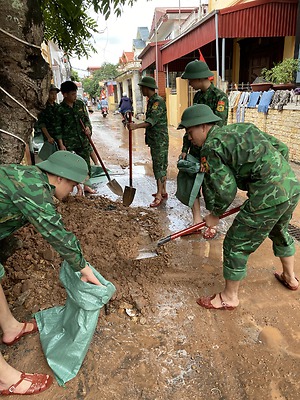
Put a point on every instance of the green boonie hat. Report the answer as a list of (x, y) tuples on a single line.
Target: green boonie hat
[(53, 87), (66, 165), (197, 115), (148, 81), (196, 70)]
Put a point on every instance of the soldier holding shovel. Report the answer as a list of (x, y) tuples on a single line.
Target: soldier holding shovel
[(242, 156)]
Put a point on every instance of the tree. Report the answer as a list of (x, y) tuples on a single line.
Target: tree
[(24, 75), (107, 72)]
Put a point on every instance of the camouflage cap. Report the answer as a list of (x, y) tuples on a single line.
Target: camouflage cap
[(197, 115), (66, 165), (196, 69), (53, 87), (149, 82)]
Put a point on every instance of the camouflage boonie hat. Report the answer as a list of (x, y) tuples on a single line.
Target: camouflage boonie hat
[(196, 70), (197, 115), (148, 81), (66, 165), (53, 87)]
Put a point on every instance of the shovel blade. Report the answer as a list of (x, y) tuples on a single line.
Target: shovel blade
[(115, 187), (128, 195), (144, 253)]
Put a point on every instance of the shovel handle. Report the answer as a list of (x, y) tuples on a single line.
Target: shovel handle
[(95, 150), (194, 228), (130, 149)]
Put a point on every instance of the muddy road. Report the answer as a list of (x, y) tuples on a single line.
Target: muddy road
[(156, 343)]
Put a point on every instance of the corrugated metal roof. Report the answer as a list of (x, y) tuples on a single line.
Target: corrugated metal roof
[(261, 18)]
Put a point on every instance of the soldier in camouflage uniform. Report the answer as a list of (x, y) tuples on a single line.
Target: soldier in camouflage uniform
[(241, 156), (26, 197), (68, 126), (47, 118), (198, 74), (157, 137)]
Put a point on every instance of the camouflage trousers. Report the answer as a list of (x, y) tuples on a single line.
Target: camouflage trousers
[(85, 153), (159, 157), (250, 229)]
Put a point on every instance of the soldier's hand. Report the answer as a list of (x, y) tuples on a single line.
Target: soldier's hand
[(131, 126), (87, 131), (87, 275), (51, 140), (182, 156)]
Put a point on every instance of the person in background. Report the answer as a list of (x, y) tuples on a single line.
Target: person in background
[(46, 119), (26, 197), (125, 105), (157, 137), (70, 113), (242, 156), (198, 75)]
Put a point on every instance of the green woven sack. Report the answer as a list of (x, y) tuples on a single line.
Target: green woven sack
[(47, 149), (189, 180), (66, 331)]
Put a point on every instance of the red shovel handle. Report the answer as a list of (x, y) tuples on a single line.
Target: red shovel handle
[(130, 148), (194, 228), (95, 150)]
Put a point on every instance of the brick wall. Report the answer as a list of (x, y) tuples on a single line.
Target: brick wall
[(284, 125)]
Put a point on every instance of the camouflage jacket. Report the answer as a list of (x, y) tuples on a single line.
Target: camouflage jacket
[(68, 125), (218, 102), (47, 119), (156, 116), (26, 197), (242, 156)]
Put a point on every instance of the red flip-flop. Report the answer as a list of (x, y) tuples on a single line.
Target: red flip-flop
[(210, 233), (281, 279), (156, 202)]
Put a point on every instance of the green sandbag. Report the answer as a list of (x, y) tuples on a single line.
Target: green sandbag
[(66, 331), (47, 149), (189, 180)]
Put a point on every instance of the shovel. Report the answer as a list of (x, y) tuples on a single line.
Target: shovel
[(113, 185), (148, 253), (129, 191)]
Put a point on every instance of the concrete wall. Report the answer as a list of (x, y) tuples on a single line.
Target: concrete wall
[(284, 125)]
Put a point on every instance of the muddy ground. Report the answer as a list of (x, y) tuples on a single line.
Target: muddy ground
[(155, 342)]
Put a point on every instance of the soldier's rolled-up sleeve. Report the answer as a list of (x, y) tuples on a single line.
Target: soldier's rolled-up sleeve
[(41, 213), (219, 186)]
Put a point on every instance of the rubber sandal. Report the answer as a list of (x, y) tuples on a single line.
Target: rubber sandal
[(164, 196), (39, 383), (23, 333), (281, 279), (206, 303), (210, 233), (157, 202)]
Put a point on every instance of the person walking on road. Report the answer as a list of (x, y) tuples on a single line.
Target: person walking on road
[(242, 156), (198, 74), (26, 197), (156, 136), (125, 105)]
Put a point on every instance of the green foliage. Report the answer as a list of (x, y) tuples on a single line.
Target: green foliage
[(74, 76), (283, 72), (68, 24), (91, 84)]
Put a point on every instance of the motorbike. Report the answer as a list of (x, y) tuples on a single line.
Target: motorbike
[(104, 111)]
